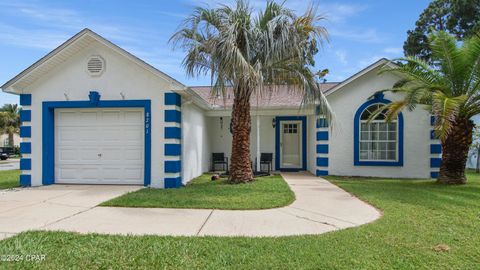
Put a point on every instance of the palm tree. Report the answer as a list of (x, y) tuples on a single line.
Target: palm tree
[(252, 53), (10, 121), (450, 90)]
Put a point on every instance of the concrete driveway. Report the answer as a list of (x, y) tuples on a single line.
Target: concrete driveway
[(319, 207)]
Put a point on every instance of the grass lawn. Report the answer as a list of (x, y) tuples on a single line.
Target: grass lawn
[(266, 192), (418, 217), (9, 179)]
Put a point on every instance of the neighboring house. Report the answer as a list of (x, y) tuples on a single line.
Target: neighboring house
[(473, 155), (95, 114), (4, 140)]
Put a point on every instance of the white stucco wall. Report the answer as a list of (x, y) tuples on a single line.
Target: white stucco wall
[(345, 103), (311, 144), (195, 142), (121, 76)]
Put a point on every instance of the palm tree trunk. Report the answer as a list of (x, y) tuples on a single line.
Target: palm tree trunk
[(240, 164), (455, 153)]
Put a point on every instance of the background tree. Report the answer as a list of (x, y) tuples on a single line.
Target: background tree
[(458, 17), (253, 54), (10, 121), (449, 89)]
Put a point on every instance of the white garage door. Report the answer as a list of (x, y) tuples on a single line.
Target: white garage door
[(99, 146)]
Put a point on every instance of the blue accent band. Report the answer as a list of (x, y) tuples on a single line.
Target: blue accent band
[(433, 136), (173, 166), (48, 131), (25, 131), (25, 180), (173, 99), (321, 172), (435, 162), (25, 99), (25, 148), (173, 133), (356, 141), (25, 164), (173, 149), (432, 120), (435, 149), (174, 182), (322, 123), (173, 116), (322, 135), (25, 115), (278, 121), (322, 148), (434, 175), (322, 161)]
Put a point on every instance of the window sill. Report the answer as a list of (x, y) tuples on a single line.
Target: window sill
[(379, 163)]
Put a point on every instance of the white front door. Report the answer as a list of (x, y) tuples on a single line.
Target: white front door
[(99, 146), (291, 144)]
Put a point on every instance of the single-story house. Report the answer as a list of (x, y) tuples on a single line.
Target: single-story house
[(95, 114), (5, 142)]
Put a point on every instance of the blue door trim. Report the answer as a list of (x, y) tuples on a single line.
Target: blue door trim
[(278, 121), (48, 131)]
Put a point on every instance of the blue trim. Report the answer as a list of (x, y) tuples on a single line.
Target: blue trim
[(173, 116), (435, 162), (322, 123), (48, 131), (173, 149), (434, 175), (321, 173), (25, 99), (322, 161), (25, 115), (356, 140), (432, 120), (433, 136), (25, 164), (279, 119), (94, 97), (173, 166), (25, 180), (25, 148), (173, 133), (25, 131), (173, 182), (322, 135), (173, 99), (435, 149), (322, 148)]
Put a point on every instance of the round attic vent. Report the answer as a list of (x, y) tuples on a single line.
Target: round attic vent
[(95, 65)]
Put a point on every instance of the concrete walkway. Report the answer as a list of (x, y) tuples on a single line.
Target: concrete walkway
[(319, 207)]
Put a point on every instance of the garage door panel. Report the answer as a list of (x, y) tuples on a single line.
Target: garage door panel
[(99, 146), (133, 117), (68, 154), (134, 154)]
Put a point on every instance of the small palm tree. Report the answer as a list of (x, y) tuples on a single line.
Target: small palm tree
[(252, 53), (450, 90), (10, 121)]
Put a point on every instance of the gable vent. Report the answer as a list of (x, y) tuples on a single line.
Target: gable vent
[(95, 65)]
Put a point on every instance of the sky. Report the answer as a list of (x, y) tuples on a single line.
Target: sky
[(360, 32)]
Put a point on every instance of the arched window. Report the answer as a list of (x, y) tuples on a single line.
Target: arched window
[(377, 142)]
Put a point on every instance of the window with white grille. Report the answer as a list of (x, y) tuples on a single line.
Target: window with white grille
[(378, 139)]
